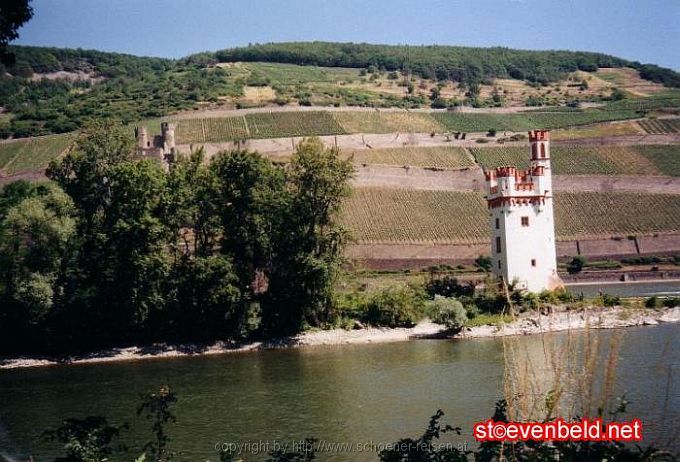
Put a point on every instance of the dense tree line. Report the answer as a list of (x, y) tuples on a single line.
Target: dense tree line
[(461, 64), (127, 87), (116, 250)]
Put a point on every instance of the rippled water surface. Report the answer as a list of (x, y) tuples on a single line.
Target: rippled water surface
[(357, 394)]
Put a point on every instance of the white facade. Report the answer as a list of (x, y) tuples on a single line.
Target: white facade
[(522, 222)]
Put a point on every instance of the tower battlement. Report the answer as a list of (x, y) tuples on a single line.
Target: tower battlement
[(161, 147), (521, 218), (539, 135)]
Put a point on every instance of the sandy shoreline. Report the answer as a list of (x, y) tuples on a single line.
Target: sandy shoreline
[(526, 324)]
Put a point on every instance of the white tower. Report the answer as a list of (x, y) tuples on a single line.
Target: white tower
[(522, 223)]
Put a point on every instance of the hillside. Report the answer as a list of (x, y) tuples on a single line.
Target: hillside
[(460, 64), (52, 90)]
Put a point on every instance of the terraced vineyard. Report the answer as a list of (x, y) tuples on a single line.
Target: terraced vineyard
[(665, 158), (400, 216), (385, 215), (502, 156), (284, 124), (583, 214), (211, 130), (475, 122), (444, 157), (387, 122), (32, 154), (591, 160), (660, 126), (626, 128)]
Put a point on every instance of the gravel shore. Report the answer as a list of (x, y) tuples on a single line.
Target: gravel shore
[(525, 324)]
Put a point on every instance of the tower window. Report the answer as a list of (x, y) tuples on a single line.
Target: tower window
[(534, 151), (533, 262), (499, 264), (525, 221), (498, 223), (498, 244), (542, 151)]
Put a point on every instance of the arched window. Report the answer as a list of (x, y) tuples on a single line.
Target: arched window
[(542, 151), (534, 151)]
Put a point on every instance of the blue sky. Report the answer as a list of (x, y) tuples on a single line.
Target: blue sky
[(641, 30)]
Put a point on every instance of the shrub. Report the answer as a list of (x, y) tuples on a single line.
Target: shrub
[(671, 302), (576, 264), (447, 311), (394, 307), (610, 300), (653, 302), (483, 262), (448, 286)]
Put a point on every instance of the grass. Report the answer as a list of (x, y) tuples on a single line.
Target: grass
[(289, 74), (590, 160), (32, 154), (211, 130), (476, 122), (389, 215), (387, 122), (665, 158), (660, 126), (285, 124), (401, 216), (9, 151), (583, 214), (598, 130), (441, 157)]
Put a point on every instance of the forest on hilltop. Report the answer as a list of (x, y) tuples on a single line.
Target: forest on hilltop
[(460, 64)]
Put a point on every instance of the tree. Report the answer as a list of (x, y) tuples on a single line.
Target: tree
[(117, 278), (13, 14), (157, 408), (86, 440), (35, 241), (254, 202), (310, 242)]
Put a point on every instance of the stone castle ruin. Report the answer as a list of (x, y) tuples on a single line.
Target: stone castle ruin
[(161, 147)]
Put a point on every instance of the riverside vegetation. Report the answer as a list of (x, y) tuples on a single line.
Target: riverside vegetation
[(115, 250)]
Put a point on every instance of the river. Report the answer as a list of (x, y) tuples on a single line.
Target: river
[(367, 394)]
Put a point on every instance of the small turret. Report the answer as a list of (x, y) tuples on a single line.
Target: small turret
[(168, 134), (142, 137)]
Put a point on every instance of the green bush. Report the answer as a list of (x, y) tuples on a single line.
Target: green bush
[(610, 300), (671, 302), (447, 311), (576, 265), (448, 286), (653, 302), (394, 307)]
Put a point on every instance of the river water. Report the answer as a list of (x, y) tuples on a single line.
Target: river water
[(359, 394)]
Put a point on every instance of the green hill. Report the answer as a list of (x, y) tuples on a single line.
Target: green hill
[(53, 90)]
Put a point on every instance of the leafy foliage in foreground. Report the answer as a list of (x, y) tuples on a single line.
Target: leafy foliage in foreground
[(117, 251), (91, 440)]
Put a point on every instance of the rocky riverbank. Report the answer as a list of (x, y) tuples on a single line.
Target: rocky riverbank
[(525, 324)]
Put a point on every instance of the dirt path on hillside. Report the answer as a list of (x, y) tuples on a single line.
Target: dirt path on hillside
[(27, 176), (419, 178)]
